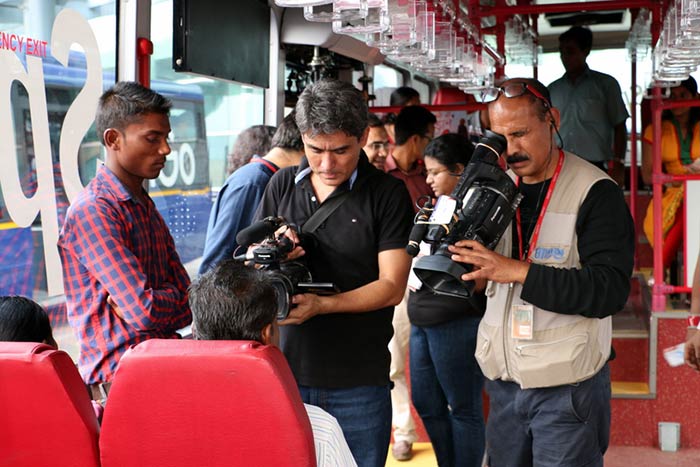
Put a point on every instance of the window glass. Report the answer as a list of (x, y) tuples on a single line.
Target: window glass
[(225, 108), (423, 89), (206, 118), (386, 79), (46, 51)]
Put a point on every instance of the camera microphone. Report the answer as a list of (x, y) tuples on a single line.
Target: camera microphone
[(258, 231), (420, 226)]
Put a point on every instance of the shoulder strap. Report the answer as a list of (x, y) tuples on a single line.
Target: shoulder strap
[(273, 168), (322, 213)]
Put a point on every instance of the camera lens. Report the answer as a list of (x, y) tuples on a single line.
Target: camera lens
[(283, 292)]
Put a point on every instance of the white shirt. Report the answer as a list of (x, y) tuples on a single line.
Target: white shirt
[(331, 448)]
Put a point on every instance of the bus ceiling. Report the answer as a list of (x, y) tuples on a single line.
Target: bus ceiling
[(483, 22)]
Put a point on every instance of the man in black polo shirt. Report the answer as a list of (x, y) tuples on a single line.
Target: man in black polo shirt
[(337, 345)]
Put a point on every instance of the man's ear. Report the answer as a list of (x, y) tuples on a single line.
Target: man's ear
[(363, 138), (267, 334), (112, 138), (555, 117)]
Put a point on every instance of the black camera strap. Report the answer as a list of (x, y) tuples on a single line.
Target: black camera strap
[(324, 211)]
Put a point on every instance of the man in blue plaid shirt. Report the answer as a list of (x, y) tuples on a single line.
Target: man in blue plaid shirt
[(123, 279)]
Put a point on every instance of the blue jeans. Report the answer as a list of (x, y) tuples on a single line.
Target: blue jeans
[(363, 413), (446, 384), (559, 426)]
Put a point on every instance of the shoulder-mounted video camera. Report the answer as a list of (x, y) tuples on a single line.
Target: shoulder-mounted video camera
[(289, 278), (479, 208)]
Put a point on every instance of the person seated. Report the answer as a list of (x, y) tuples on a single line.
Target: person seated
[(24, 320), (235, 302), (680, 155)]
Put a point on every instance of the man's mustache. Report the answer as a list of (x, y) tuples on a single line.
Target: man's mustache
[(512, 159)]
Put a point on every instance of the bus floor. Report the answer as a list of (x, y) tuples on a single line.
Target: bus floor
[(616, 456)]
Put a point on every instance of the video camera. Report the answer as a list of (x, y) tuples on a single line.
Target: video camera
[(480, 208), (289, 278)]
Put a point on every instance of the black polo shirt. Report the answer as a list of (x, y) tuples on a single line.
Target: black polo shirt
[(343, 349)]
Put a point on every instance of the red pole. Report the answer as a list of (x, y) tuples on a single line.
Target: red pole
[(633, 157), (144, 50), (658, 300)]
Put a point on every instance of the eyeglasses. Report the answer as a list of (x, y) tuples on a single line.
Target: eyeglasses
[(513, 90)]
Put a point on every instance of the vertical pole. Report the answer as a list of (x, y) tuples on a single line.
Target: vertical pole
[(633, 156), (500, 40), (658, 300), (535, 64)]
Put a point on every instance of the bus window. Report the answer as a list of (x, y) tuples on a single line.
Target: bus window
[(386, 79)]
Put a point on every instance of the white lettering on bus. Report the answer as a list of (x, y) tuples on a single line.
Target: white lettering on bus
[(183, 166), (69, 28)]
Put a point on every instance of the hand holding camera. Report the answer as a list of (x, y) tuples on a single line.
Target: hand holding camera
[(479, 209), (278, 244)]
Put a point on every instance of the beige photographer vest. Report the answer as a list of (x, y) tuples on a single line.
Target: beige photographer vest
[(565, 348)]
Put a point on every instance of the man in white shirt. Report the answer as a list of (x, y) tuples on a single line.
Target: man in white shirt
[(235, 302)]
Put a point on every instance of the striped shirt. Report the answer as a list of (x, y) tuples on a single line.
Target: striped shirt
[(112, 244), (331, 448)]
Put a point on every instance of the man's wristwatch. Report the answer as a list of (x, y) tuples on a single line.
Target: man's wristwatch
[(693, 321)]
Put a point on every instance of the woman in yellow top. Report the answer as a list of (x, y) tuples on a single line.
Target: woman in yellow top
[(680, 154)]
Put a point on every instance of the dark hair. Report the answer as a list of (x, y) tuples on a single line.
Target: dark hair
[(287, 135), (450, 149), (389, 119), (694, 115), (125, 103), (374, 121), (328, 106), (542, 107), (582, 37), (402, 95), (412, 120), (232, 302), (23, 320), (252, 141)]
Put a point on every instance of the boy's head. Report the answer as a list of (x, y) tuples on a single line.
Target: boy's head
[(125, 103), (133, 123)]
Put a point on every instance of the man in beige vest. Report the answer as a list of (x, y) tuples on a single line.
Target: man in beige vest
[(561, 270)]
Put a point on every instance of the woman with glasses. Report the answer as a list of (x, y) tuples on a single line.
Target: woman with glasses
[(446, 381), (680, 155)]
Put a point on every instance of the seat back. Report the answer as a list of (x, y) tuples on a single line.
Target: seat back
[(213, 403), (46, 417)]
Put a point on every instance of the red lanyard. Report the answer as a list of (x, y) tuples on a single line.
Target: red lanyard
[(547, 198), (273, 168)]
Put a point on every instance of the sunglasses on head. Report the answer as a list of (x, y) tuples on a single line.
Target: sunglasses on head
[(513, 90)]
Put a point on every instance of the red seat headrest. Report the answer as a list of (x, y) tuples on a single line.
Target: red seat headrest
[(47, 416), (213, 403)]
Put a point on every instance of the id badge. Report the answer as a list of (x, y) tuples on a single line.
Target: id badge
[(522, 322)]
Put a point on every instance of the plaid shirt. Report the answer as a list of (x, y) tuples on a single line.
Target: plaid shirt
[(113, 245)]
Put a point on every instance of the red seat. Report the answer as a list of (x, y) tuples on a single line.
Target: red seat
[(205, 403), (46, 417)]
